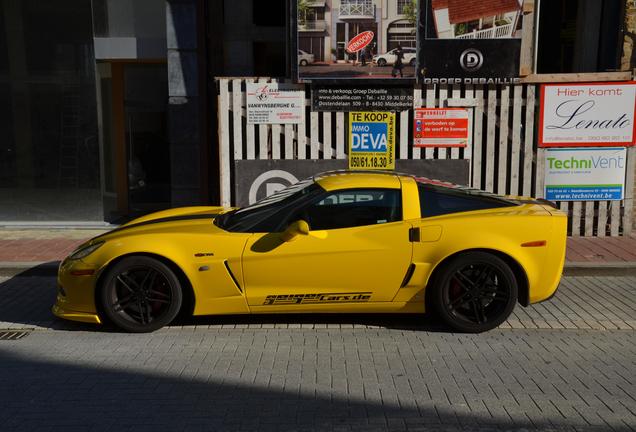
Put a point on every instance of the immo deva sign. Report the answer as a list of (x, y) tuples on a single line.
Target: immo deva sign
[(579, 115), (372, 140), (585, 174)]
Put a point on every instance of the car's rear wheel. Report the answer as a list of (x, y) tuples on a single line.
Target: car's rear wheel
[(474, 292), (140, 294), (304, 62), (412, 62), (381, 62)]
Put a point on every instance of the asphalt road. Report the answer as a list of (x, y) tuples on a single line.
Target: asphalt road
[(569, 364)]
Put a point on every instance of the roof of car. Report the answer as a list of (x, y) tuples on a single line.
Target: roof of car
[(341, 179)]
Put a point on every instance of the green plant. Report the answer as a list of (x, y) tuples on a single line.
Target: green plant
[(303, 8), (460, 29)]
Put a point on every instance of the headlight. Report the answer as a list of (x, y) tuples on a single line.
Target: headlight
[(85, 251)]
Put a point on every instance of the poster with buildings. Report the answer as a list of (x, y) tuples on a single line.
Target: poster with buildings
[(471, 42), (356, 39)]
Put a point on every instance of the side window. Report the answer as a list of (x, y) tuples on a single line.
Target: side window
[(356, 207), (435, 203)]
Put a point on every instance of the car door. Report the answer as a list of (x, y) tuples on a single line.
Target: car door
[(357, 251)]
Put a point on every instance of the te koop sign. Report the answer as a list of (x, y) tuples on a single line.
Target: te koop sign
[(582, 115)]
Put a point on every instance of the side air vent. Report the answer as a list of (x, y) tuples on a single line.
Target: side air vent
[(232, 276)]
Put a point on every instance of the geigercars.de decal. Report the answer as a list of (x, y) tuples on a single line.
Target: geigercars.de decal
[(296, 299)]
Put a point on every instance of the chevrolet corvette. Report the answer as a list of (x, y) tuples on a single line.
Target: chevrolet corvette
[(343, 241)]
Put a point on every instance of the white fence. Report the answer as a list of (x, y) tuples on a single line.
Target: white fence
[(504, 157)]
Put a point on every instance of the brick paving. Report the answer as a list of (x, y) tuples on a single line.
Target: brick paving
[(564, 365)]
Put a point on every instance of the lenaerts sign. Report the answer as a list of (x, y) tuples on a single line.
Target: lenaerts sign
[(582, 115)]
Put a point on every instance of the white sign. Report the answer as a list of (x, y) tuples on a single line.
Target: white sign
[(273, 103), (580, 115), (585, 174)]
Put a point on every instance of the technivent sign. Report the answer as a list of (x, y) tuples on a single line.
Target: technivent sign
[(372, 140), (585, 174)]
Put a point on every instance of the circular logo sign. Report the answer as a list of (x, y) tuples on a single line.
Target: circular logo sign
[(360, 41), (274, 180), (471, 60)]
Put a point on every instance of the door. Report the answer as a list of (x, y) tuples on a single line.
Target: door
[(357, 251)]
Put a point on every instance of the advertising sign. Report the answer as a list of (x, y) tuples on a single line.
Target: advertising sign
[(355, 97), (585, 174), (360, 41), (257, 179), (372, 140), (440, 127), (355, 39), (462, 42), (274, 103), (579, 115)]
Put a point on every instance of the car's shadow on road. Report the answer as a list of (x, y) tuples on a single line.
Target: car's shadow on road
[(27, 298)]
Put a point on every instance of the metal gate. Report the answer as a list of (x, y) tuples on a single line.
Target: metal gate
[(504, 156)]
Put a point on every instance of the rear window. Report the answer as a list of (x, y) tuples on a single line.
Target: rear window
[(437, 201)]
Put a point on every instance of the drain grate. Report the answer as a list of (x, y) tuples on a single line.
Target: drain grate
[(12, 334)]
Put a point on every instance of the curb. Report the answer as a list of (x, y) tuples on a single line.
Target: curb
[(8, 268)]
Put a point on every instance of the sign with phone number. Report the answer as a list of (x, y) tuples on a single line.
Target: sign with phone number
[(371, 140)]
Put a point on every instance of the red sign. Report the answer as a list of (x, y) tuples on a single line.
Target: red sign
[(360, 41), (440, 127)]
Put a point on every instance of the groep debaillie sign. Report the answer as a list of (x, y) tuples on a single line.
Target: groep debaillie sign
[(579, 115), (585, 174), (361, 97), (257, 179), (275, 103)]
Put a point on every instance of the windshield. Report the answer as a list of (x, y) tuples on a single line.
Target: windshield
[(251, 218)]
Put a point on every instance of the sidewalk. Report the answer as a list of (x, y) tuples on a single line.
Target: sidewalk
[(28, 248)]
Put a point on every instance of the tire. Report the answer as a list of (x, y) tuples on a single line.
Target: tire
[(304, 62), (381, 62), (474, 292), (412, 62), (140, 294)]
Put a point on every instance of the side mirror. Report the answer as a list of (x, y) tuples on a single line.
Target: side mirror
[(300, 227)]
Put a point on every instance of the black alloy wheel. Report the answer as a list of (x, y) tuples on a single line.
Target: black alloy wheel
[(381, 62), (140, 294), (475, 292)]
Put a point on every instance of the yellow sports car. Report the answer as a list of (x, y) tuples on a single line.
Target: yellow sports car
[(341, 241)]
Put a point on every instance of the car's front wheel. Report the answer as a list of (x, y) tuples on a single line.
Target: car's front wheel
[(381, 62), (304, 62), (474, 292), (140, 294)]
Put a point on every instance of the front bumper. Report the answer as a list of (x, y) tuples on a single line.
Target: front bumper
[(76, 294)]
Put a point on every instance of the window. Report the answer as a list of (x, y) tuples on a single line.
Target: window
[(437, 201), (351, 208), (401, 4), (579, 36)]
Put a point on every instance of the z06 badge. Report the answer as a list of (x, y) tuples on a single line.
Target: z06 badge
[(317, 298)]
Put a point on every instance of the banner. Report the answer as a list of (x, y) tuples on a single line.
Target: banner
[(372, 140), (257, 179), (462, 42), (440, 127), (585, 174), (274, 103), (355, 40), (579, 115), (361, 97)]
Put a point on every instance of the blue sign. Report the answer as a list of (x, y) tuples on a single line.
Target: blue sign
[(368, 137)]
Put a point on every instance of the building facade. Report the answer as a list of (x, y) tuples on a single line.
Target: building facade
[(112, 105)]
